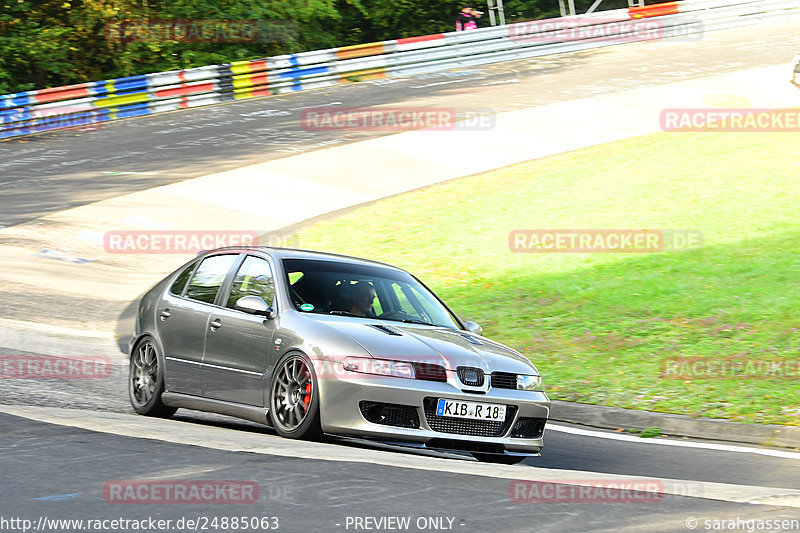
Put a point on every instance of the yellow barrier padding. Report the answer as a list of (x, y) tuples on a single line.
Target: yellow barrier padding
[(363, 75), (122, 99), (359, 50)]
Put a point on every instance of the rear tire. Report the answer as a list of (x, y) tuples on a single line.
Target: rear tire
[(499, 459), (146, 381), (294, 399)]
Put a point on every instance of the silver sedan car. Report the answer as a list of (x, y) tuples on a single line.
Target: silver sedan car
[(313, 343)]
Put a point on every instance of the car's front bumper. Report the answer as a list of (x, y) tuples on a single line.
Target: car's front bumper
[(341, 413)]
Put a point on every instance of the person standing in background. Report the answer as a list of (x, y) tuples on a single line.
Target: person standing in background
[(466, 19)]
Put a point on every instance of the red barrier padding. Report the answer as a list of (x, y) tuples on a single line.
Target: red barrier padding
[(187, 89), (61, 93), (655, 10), (409, 40)]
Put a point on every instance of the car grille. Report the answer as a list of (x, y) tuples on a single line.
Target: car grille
[(504, 380), (464, 426), (390, 414), (528, 428), (472, 377)]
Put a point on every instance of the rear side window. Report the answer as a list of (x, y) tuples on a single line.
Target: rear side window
[(180, 282), (209, 277)]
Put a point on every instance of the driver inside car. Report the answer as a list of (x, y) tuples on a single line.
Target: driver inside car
[(364, 296)]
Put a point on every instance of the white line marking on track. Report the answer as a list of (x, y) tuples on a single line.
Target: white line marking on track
[(664, 442)]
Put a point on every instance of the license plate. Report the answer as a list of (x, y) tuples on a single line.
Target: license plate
[(473, 410)]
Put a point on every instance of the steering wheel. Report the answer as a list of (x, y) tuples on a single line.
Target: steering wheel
[(393, 314)]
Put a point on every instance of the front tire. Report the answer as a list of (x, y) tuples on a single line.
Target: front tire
[(146, 381), (499, 459), (294, 399)]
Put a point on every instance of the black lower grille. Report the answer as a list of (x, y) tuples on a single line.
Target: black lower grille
[(465, 426), (504, 380), (528, 428), (390, 414), (465, 445)]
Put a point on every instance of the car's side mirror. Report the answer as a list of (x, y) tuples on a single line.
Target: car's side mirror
[(254, 305), (473, 327)]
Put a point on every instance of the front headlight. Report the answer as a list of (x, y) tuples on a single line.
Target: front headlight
[(379, 367), (528, 382)]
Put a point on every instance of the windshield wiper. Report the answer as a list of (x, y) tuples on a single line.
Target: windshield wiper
[(415, 321), (345, 313)]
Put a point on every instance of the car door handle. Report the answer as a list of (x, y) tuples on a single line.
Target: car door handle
[(215, 324), (165, 314)]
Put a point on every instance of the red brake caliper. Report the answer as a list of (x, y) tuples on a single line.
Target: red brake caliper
[(307, 397)]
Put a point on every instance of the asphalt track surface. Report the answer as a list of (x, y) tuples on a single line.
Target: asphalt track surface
[(563, 450), (304, 495), (59, 472), (51, 172)]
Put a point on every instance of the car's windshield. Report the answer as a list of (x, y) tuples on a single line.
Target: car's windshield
[(331, 287)]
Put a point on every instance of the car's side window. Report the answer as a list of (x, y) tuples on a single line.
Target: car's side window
[(253, 279), (209, 277), (180, 282)]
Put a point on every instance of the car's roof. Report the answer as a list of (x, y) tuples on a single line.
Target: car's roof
[(294, 253)]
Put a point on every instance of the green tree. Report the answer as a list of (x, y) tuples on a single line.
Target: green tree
[(46, 43)]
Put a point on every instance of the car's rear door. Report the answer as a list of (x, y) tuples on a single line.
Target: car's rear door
[(182, 321), (238, 344)]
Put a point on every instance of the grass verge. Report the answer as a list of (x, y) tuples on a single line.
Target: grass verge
[(600, 326)]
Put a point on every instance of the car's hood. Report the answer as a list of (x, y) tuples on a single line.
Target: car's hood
[(450, 348)]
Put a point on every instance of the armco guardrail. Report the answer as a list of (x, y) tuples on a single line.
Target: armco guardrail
[(88, 103)]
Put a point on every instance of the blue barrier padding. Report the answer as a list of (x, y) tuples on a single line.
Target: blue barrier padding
[(98, 88), (79, 119), (131, 83), (14, 115), (136, 110), (15, 100), (299, 72)]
